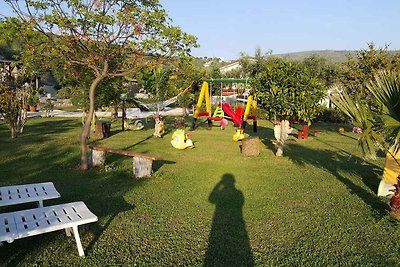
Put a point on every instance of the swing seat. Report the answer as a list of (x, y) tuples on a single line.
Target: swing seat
[(216, 118)]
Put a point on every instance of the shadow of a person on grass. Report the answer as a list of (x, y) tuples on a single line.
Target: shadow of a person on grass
[(228, 243)]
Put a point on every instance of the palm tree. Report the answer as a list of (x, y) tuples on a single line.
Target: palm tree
[(380, 130)]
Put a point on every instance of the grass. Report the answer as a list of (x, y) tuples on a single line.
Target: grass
[(315, 206), (70, 108)]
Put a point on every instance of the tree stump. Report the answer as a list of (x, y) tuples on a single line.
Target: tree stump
[(142, 167), (103, 129), (251, 146), (97, 158)]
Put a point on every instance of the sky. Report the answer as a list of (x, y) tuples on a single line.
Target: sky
[(225, 28)]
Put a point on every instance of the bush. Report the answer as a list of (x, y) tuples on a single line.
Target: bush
[(331, 115)]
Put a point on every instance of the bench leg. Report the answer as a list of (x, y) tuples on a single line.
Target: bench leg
[(78, 241), (69, 231), (40, 204), (142, 167)]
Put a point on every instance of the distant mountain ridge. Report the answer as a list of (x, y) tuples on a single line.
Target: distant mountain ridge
[(332, 55)]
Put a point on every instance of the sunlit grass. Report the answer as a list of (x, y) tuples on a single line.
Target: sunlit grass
[(315, 206)]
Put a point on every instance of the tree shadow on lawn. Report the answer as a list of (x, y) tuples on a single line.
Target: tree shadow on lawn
[(338, 162), (228, 243), (371, 181), (138, 143), (50, 126), (369, 174), (266, 136)]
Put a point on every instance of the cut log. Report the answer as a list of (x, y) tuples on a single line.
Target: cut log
[(142, 167), (251, 146), (103, 129), (97, 158)]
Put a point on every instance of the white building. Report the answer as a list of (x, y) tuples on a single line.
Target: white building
[(231, 66)]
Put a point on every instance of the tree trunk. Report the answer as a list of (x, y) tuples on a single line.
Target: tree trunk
[(13, 132), (281, 132), (22, 119), (115, 112), (89, 116)]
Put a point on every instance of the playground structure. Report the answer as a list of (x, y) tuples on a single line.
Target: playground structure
[(239, 116)]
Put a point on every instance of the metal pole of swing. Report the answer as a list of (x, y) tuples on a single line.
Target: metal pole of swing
[(123, 115), (220, 104), (209, 122)]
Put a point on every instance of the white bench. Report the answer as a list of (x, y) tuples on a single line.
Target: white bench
[(25, 223), (18, 194)]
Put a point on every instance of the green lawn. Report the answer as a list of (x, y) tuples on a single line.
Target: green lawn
[(315, 206)]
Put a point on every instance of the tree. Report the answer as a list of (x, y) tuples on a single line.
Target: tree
[(286, 91), (251, 67), (325, 71), (13, 95), (16, 81), (361, 69), (170, 79), (109, 38)]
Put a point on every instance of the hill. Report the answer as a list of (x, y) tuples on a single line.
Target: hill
[(332, 55)]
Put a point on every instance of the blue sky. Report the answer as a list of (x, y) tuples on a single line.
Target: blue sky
[(227, 27)]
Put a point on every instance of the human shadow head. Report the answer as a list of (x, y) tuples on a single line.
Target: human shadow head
[(228, 180), (225, 194)]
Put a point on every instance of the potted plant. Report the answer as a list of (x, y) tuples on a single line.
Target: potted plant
[(32, 101)]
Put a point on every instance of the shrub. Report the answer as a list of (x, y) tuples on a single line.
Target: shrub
[(331, 115)]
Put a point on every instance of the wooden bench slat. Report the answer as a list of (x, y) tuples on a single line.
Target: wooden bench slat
[(125, 153)]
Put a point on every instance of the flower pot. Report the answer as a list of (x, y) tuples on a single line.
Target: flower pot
[(32, 108)]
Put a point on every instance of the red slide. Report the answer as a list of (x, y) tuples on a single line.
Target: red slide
[(227, 109)]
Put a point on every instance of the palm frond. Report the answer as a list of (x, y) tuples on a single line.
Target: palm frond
[(361, 116), (385, 87)]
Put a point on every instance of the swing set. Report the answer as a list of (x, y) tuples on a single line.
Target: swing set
[(239, 116)]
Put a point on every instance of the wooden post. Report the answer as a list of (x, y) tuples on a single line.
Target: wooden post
[(305, 131), (99, 129), (142, 167), (97, 158), (123, 115), (299, 134)]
